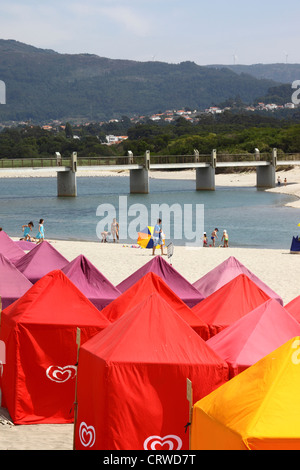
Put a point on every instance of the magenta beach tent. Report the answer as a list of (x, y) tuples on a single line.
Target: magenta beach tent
[(13, 284), (225, 272), (38, 262), (25, 245), (9, 248), (91, 282), (181, 286), (254, 336)]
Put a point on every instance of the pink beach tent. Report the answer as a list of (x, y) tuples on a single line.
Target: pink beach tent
[(132, 380), (229, 303), (179, 285), (38, 262), (25, 245), (13, 284), (9, 248), (254, 336), (293, 307), (224, 273), (91, 282)]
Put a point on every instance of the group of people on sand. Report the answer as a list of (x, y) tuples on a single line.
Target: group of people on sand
[(114, 231), (214, 236), (27, 229)]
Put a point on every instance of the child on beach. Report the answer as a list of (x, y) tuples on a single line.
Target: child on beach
[(225, 238), (214, 236), (41, 233), (115, 230), (204, 238), (27, 228)]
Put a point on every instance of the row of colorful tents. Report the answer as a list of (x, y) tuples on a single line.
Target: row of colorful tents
[(228, 333)]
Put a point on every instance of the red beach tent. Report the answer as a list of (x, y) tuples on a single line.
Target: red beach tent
[(39, 331), (13, 284), (181, 286), (91, 282), (225, 272), (9, 248), (293, 307), (132, 381), (229, 303), (41, 260), (145, 286), (254, 336)]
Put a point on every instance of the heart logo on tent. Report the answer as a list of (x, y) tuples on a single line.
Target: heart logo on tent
[(87, 435), (170, 442), (61, 374)]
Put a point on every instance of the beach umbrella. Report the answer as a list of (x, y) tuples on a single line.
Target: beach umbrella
[(145, 239)]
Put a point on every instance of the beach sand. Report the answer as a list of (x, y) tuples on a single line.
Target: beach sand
[(277, 268)]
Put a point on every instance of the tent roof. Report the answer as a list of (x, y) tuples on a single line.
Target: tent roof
[(231, 302), (9, 248), (25, 245), (42, 259), (261, 404), (225, 272), (54, 299), (89, 280), (151, 332), (255, 335), (184, 289), (12, 282), (148, 284), (293, 307)]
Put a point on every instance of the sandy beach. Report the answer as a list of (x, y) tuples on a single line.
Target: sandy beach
[(277, 268)]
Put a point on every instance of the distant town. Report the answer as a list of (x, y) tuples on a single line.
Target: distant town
[(168, 116)]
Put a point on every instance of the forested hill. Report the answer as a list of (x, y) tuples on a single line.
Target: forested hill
[(281, 72), (42, 85)]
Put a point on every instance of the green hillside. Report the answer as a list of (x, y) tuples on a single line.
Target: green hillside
[(43, 85)]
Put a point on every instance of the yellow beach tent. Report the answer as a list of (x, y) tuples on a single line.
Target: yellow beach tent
[(258, 409)]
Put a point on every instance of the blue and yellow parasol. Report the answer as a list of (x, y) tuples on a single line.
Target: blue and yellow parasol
[(145, 239)]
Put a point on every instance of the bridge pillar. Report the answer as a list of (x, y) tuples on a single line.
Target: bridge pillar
[(66, 180), (139, 179), (205, 177), (265, 175)]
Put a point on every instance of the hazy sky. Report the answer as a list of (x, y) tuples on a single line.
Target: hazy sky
[(206, 32)]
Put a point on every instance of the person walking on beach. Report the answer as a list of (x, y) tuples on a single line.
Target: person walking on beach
[(41, 233), (225, 238), (214, 236), (115, 230), (27, 228), (157, 237), (278, 181)]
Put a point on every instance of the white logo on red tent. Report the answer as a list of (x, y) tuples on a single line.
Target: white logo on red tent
[(170, 442), (61, 374), (87, 435)]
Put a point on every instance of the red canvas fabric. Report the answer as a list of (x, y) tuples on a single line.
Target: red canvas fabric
[(39, 332), (41, 260), (9, 248), (91, 282), (254, 336), (229, 303), (13, 284), (225, 272), (132, 380), (183, 288), (293, 307), (148, 284)]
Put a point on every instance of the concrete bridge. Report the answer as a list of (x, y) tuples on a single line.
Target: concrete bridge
[(204, 165)]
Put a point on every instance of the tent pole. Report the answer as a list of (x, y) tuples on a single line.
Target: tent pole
[(189, 394), (75, 402)]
